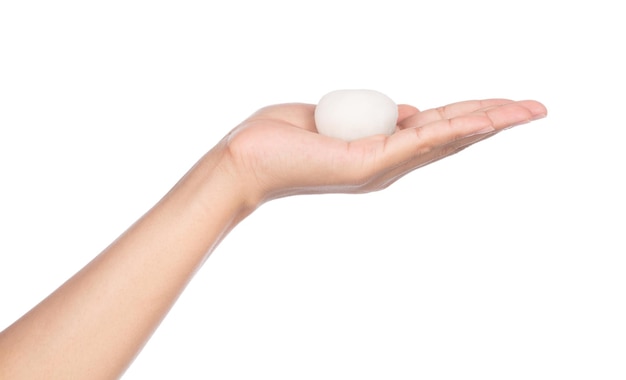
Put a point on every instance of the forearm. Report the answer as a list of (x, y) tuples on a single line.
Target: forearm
[(94, 325), (97, 322)]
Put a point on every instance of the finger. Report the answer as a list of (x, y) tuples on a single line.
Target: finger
[(406, 111), (501, 118), (450, 111), (408, 143), (485, 120), (515, 113)]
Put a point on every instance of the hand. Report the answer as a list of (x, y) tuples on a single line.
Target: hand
[(277, 151), (97, 321)]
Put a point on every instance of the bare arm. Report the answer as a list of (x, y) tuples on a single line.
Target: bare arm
[(97, 322)]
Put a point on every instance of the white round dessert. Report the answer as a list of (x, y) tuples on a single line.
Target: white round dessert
[(353, 114)]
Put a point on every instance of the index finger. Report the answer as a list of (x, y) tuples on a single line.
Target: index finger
[(450, 111), (408, 143)]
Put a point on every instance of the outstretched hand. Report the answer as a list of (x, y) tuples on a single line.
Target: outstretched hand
[(278, 152), (97, 321)]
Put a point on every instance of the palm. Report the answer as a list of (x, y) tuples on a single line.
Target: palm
[(280, 149)]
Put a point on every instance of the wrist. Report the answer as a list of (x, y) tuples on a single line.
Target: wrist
[(223, 185)]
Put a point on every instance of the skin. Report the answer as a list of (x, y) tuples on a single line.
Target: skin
[(95, 324)]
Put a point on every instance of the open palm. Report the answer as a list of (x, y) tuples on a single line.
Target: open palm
[(279, 152)]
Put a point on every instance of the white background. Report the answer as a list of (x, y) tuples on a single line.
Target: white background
[(506, 261)]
